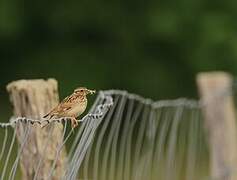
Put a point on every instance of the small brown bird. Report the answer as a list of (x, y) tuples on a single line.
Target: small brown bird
[(72, 106)]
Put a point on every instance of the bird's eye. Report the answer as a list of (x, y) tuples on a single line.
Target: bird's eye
[(81, 90)]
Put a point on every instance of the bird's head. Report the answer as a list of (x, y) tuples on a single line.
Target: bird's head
[(83, 91)]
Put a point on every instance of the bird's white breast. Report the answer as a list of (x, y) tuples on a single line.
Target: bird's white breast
[(78, 109)]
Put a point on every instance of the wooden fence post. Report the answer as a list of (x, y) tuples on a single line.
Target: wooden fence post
[(33, 99), (215, 90)]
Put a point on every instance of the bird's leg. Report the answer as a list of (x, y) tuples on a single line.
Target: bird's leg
[(74, 122)]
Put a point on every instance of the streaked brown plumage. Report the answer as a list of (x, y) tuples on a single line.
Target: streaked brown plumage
[(72, 106)]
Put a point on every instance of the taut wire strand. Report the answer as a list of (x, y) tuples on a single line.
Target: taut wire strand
[(41, 158), (4, 143), (8, 155), (59, 148), (24, 140)]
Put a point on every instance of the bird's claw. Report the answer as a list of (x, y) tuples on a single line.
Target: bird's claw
[(74, 122)]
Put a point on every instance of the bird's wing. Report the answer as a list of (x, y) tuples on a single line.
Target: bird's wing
[(65, 105)]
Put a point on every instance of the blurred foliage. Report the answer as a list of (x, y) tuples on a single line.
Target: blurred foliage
[(150, 47)]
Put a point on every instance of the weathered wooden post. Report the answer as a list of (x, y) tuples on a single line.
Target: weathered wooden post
[(215, 90), (32, 99)]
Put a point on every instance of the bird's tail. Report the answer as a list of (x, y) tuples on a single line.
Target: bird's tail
[(50, 114), (45, 116)]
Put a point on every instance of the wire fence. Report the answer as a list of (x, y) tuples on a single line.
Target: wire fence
[(124, 136)]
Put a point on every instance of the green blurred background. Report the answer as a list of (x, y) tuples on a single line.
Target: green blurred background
[(153, 48)]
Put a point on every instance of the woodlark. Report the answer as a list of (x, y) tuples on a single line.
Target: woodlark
[(72, 106)]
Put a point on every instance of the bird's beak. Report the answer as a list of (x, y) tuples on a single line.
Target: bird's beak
[(91, 91)]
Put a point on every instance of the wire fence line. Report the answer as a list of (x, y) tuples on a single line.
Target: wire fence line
[(98, 113), (135, 137), (156, 104), (125, 136), (8, 170)]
